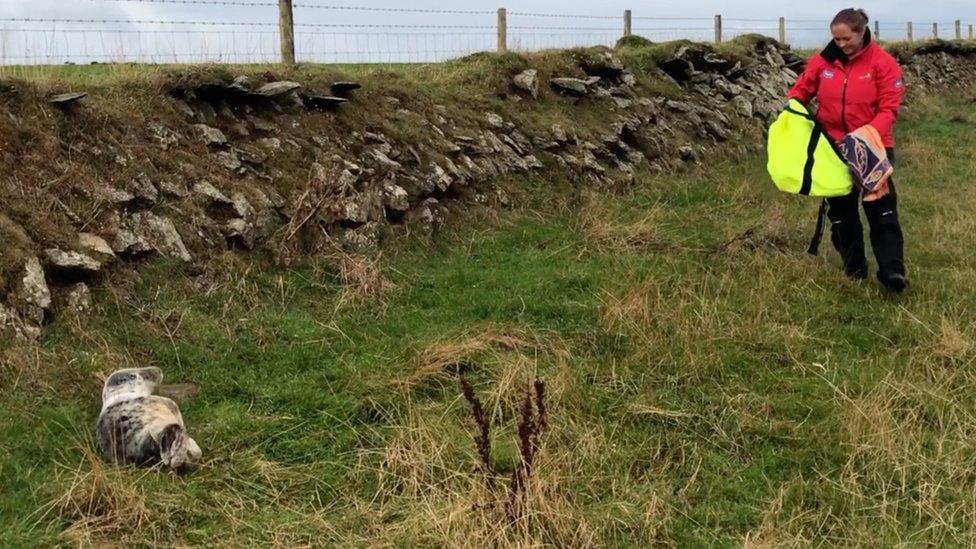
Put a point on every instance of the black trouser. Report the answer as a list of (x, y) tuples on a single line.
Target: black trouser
[(886, 238)]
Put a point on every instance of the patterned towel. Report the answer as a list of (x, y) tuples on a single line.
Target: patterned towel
[(870, 167)]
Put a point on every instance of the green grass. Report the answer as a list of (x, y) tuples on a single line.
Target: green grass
[(708, 383)]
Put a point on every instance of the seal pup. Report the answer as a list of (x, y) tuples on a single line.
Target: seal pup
[(137, 426)]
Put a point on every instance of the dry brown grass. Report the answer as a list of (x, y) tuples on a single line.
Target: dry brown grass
[(910, 448), (953, 343), (438, 359), (666, 323), (362, 279), (640, 409), (431, 485), (102, 503), (605, 232), (773, 232)]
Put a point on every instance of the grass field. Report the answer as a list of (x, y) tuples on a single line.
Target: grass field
[(705, 382)]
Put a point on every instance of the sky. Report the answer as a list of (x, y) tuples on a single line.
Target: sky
[(328, 35)]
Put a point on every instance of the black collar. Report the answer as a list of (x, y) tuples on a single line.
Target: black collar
[(833, 53)]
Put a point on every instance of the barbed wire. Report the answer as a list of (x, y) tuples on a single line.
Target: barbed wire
[(396, 10), (133, 21), (195, 2), (676, 29), (143, 32), (188, 40), (561, 16), (390, 26), (645, 18)]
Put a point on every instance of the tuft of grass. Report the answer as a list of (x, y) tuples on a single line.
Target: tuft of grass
[(605, 232)]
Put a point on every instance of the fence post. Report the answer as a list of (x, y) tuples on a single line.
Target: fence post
[(502, 30), (718, 29), (286, 30), (877, 30), (627, 25), (910, 37), (958, 29), (782, 30), (970, 31), (935, 30)]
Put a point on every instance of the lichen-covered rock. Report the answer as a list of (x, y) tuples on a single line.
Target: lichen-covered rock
[(742, 106), (494, 121), (146, 232), (171, 189), (209, 135), (559, 134), (78, 298), (271, 144), (13, 326), (229, 160), (528, 81), (143, 190), (240, 232), (165, 137), (573, 86), (395, 197), (439, 178), (360, 239), (276, 89), (427, 217), (33, 292), (94, 243), (206, 189), (71, 262), (241, 206), (128, 243)]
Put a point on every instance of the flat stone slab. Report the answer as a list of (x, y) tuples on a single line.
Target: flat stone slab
[(65, 99), (342, 89), (275, 89), (322, 102), (71, 261), (572, 85)]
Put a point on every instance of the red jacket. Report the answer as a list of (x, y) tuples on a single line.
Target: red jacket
[(851, 93)]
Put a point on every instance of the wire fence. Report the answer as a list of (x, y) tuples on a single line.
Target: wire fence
[(250, 31)]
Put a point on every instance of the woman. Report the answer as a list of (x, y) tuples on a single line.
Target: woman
[(856, 83)]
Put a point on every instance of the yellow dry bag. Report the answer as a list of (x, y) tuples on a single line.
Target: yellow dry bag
[(801, 158)]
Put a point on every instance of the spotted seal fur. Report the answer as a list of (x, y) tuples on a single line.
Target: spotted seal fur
[(139, 427)]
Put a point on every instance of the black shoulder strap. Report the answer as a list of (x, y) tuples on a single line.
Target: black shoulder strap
[(806, 115), (818, 232), (808, 167)]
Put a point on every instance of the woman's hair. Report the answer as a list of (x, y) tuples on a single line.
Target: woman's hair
[(856, 19)]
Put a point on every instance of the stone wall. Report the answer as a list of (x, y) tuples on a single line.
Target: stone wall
[(238, 164)]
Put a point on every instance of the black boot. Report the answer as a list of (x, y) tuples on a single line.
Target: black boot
[(887, 240), (846, 233)]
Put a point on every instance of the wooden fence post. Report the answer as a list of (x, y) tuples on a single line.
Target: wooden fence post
[(935, 30), (877, 30), (627, 23), (782, 30), (502, 30), (958, 29), (718, 29), (286, 30), (970, 32), (910, 37)]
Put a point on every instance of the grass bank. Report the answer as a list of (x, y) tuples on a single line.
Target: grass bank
[(703, 380)]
